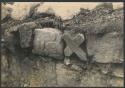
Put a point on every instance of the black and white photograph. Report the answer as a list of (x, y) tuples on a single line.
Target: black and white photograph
[(62, 44)]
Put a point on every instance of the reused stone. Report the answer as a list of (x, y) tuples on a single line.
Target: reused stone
[(26, 34), (48, 42), (109, 49), (105, 40), (73, 45)]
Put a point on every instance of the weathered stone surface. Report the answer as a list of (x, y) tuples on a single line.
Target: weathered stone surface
[(115, 70), (10, 70), (76, 67), (116, 82), (28, 72), (48, 42), (105, 40), (105, 78), (4, 70), (39, 73), (109, 49), (104, 34), (31, 72), (50, 74), (73, 45), (105, 68), (25, 37), (26, 34), (118, 70), (92, 78), (67, 61), (19, 35), (15, 71), (67, 77)]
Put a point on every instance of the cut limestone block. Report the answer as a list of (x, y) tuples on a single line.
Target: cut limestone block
[(73, 45), (25, 37), (110, 49), (48, 42), (26, 34), (105, 42)]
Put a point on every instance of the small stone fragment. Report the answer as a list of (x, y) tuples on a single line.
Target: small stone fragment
[(67, 61), (76, 67)]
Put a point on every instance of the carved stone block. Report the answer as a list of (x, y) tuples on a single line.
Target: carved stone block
[(26, 34), (48, 42), (73, 45)]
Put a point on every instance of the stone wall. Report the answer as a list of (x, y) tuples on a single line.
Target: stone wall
[(45, 51)]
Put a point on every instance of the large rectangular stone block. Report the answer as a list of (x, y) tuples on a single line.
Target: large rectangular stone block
[(105, 42), (109, 49), (48, 42)]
